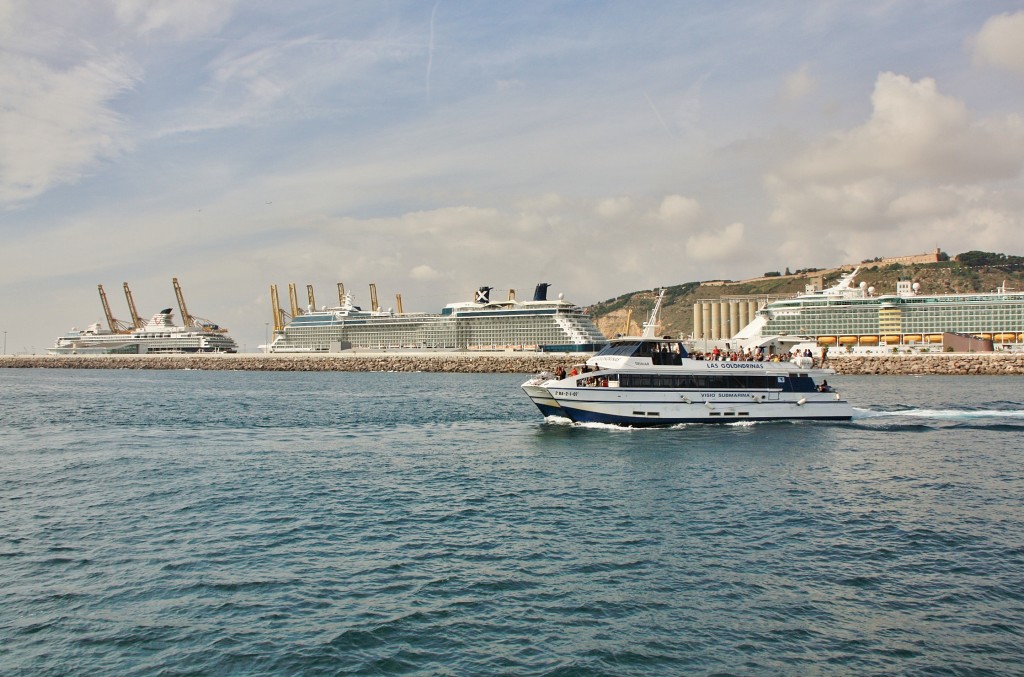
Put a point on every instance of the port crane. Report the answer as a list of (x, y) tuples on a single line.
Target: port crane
[(279, 312), (293, 299), (373, 298), (189, 320), (136, 319), (116, 326)]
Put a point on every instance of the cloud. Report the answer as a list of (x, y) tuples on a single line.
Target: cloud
[(177, 19), (718, 244), (917, 151), (56, 123), (915, 132), (1000, 43), (679, 209), (798, 84), (424, 272), (613, 207)]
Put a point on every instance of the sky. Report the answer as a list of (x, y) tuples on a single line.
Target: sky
[(431, 148)]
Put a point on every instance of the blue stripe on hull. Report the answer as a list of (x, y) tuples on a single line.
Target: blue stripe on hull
[(582, 416), (548, 410)]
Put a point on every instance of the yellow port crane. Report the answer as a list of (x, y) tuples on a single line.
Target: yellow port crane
[(398, 303), (189, 320), (293, 298), (341, 295), (309, 295), (186, 319), (373, 298), (279, 313), (136, 319), (116, 326)]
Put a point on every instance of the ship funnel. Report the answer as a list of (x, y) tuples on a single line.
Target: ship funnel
[(541, 292), (483, 295)]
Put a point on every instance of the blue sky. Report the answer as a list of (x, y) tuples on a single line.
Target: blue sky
[(434, 147)]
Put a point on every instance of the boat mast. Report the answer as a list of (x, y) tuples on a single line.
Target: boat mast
[(652, 324)]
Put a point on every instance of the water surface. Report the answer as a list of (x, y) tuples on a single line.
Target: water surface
[(311, 523)]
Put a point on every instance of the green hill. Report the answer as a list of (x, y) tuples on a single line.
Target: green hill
[(946, 277)]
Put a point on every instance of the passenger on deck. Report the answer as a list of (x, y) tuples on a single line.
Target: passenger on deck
[(824, 387)]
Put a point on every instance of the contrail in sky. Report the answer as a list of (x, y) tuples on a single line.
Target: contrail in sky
[(658, 114), (430, 47)]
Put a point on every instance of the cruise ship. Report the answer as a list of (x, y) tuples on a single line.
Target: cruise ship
[(159, 335), (540, 324), (856, 316)]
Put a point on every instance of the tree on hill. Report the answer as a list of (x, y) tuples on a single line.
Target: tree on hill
[(979, 258)]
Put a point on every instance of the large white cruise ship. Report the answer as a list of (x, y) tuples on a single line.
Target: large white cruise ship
[(856, 316), (159, 335), (479, 325)]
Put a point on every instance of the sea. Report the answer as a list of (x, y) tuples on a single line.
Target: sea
[(237, 523)]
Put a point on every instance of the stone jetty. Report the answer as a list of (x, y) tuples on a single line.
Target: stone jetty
[(949, 364), (953, 364), (466, 363)]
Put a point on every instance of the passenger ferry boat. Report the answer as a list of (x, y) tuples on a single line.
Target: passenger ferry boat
[(159, 335), (650, 381), (856, 316), (540, 324)]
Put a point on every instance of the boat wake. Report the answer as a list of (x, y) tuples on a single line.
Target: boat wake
[(989, 417), (941, 413)]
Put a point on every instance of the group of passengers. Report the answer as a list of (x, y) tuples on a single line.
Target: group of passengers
[(744, 355), (755, 355), (583, 369), (666, 356)]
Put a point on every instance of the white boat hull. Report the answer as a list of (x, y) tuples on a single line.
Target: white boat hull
[(659, 407)]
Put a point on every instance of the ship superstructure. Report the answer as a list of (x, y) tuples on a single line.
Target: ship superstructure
[(540, 324)]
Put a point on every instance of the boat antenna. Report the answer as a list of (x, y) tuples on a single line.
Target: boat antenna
[(652, 324)]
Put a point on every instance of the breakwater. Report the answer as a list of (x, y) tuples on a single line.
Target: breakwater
[(950, 364), (432, 362), (953, 364)]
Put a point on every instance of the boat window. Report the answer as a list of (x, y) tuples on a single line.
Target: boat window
[(623, 349), (702, 381)]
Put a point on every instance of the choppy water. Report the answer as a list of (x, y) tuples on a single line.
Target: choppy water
[(224, 522)]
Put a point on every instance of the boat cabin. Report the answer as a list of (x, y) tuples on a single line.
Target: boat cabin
[(660, 352)]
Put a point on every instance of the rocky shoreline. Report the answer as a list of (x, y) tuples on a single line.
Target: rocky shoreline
[(952, 364)]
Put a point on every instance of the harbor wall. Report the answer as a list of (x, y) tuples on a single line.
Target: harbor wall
[(958, 364)]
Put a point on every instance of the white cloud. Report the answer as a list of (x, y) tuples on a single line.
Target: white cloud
[(424, 272), (924, 203), (180, 19), (717, 244), (915, 132), (798, 84), (913, 161), (1000, 43), (56, 123), (679, 209), (614, 207)]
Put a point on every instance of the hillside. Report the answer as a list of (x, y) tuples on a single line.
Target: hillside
[(945, 277)]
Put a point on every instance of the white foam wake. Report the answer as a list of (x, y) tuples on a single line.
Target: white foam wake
[(942, 413)]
